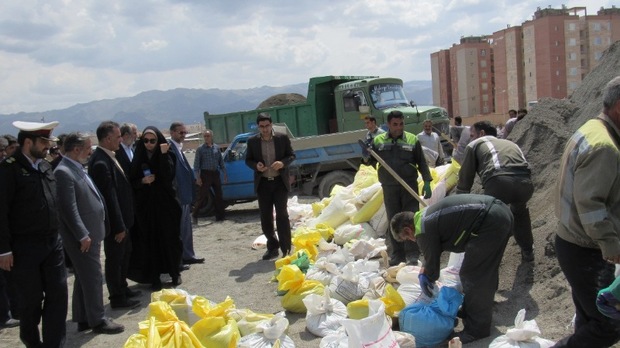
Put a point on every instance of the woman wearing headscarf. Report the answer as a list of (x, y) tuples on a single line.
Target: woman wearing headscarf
[(157, 209)]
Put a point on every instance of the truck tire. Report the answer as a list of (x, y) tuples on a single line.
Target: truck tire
[(331, 179), (209, 208)]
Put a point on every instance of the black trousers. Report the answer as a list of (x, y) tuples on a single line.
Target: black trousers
[(40, 275), (480, 269), (273, 193), (210, 178), (587, 272), (117, 256), (9, 304), (396, 200), (515, 190)]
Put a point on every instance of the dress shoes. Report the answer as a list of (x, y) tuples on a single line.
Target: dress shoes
[(194, 220), (183, 268), (10, 323), (271, 254), (82, 326), (129, 304), (527, 256), (193, 261), (176, 281), (108, 327), (132, 293)]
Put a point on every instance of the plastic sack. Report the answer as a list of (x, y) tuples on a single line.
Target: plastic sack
[(205, 308), (217, 332), (432, 323), (405, 340), (169, 334), (260, 242), (365, 177), (523, 335), (323, 314), (348, 286), (379, 222), (358, 309), (374, 331), (247, 320), (370, 208), (336, 339), (362, 249), (308, 240), (271, 334), (408, 275), (338, 211), (346, 232), (292, 281), (322, 271), (148, 338), (180, 301), (412, 293), (393, 301), (449, 276)]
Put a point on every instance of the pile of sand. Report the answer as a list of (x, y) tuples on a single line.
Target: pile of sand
[(282, 99)]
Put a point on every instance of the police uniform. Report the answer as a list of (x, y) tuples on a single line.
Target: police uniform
[(29, 233), (404, 155)]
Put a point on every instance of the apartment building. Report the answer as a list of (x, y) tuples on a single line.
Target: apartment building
[(547, 56)]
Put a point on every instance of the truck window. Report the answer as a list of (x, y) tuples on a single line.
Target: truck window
[(386, 95), (238, 152), (352, 100)]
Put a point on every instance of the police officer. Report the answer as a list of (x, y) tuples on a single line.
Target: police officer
[(30, 246), (478, 225), (505, 175), (403, 153)]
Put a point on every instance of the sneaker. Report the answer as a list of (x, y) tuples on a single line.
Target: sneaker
[(271, 254), (527, 256), (108, 327)]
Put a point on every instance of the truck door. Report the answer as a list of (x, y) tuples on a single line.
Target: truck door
[(240, 183), (354, 108)]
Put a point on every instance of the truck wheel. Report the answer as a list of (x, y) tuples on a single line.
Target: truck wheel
[(331, 179), (209, 208)]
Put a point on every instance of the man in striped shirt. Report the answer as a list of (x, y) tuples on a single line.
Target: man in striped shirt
[(207, 166)]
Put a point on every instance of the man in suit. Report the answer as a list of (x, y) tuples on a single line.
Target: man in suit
[(115, 188), (124, 154), (184, 177), (269, 154), (82, 227), (30, 246)]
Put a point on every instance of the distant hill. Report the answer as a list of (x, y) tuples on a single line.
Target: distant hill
[(160, 108)]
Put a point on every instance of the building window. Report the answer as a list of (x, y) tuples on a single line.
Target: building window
[(484, 74), (572, 56), (598, 41), (485, 98), (483, 52), (596, 26), (572, 42), (557, 43), (573, 72), (483, 63), (484, 86), (571, 26)]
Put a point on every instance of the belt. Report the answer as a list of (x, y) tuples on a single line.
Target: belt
[(269, 178)]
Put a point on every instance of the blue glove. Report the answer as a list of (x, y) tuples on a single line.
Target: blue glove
[(606, 303), (427, 190), (426, 284)]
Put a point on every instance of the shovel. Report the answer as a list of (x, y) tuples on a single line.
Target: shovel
[(392, 172)]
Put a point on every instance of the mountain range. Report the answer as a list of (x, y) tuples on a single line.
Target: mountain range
[(160, 108)]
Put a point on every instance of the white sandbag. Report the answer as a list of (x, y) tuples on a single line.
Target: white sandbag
[(271, 333), (379, 222), (456, 260), (367, 249), (298, 212), (408, 275), (376, 288), (430, 156), (439, 193), (323, 314), (373, 331), (525, 334), (338, 339), (449, 276), (340, 257), (366, 194), (349, 286), (339, 210), (404, 339), (322, 271), (348, 231), (260, 242), (411, 293)]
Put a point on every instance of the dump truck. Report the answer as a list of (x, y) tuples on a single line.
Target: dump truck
[(334, 104)]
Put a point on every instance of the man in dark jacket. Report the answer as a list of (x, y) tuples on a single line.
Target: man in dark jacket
[(111, 181), (475, 224), (269, 154), (30, 246)]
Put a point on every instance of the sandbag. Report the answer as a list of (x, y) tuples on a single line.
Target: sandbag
[(432, 323), (322, 271), (323, 314), (525, 334), (271, 334), (217, 332), (180, 301), (247, 320), (373, 331)]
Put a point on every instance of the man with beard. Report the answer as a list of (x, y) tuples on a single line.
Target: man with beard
[(30, 246)]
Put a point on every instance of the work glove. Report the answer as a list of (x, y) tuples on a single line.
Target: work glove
[(606, 303), (426, 285), (427, 190)]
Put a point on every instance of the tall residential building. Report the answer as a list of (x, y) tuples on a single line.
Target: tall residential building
[(471, 84), (547, 56), (440, 67), (508, 69)]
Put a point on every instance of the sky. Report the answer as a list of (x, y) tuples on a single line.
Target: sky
[(57, 53)]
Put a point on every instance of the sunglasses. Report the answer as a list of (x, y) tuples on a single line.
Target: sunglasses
[(152, 141)]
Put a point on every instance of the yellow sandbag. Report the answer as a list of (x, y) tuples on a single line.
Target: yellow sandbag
[(369, 209), (135, 341), (358, 309), (451, 177), (293, 300), (205, 308), (180, 301), (308, 240), (394, 303), (247, 320), (433, 183), (326, 231), (365, 176), (216, 332), (290, 277), (148, 338), (162, 311), (317, 207), (169, 334)]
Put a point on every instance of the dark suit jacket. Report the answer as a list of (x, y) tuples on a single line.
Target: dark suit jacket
[(184, 176), (284, 153), (115, 188), (123, 159)]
